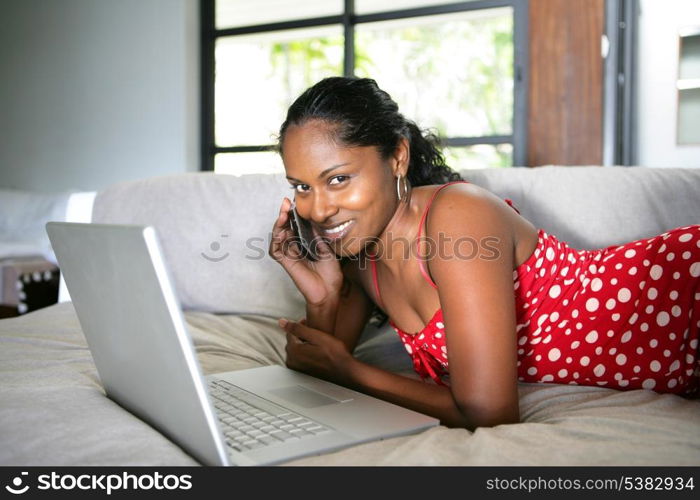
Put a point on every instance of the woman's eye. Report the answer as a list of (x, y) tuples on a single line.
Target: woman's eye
[(338, 179), (300, 188)]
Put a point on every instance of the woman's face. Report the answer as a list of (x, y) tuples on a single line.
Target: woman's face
[(348, 193)]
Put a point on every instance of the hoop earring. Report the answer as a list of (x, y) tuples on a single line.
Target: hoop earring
[(404, 196)]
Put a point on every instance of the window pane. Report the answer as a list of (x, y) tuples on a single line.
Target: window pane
[(266, 162), (689, 62), (451, 72), (236, 13), (479, 156), (689, 116), (258, 77), (368, 6)]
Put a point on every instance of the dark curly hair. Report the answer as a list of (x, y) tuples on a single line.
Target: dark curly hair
[(365, 115)]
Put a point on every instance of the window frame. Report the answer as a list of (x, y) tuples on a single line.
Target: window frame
[(348, 20)]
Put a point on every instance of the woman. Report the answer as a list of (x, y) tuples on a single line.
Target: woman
[(515, 304)]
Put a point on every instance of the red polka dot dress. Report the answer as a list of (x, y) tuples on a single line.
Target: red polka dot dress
[(626, 317), (623, 317)]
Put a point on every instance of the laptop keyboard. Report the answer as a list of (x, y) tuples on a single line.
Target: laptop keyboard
[(250, 422)]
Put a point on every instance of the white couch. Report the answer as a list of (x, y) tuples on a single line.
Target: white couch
[(214, 232)]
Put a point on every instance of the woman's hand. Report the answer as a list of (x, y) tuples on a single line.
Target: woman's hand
[(316, 353), (318, 281)]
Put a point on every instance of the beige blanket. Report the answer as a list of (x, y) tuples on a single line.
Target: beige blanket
[(53, 410)]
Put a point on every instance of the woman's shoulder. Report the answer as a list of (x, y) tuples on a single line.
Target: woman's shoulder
[(461, 190), (469, 210), (465, 201)]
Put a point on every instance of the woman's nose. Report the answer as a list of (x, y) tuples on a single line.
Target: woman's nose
[(322, 208)]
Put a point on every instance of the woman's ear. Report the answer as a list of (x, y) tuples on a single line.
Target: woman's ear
[(401, 158)]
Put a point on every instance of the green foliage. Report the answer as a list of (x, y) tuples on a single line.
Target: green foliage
[(311, 59), (455, 77)]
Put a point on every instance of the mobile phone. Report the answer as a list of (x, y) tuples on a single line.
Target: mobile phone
[(304, 235)]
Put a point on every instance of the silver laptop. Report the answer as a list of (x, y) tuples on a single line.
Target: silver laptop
[(131, 318)]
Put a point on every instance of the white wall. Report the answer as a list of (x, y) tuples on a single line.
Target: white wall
[(97, 91), (657, 97)]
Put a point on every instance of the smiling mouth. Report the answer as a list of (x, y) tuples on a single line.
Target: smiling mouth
[(337, 231), (338, 228)]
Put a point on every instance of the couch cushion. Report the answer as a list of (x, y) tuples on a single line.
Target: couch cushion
[(214, 231), (594, 207)]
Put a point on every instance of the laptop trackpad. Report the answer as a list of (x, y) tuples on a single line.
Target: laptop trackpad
[(301, 396)]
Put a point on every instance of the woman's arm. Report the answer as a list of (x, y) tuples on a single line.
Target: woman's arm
[(346, 314), (477, 300), (427, 398), (317, 353)]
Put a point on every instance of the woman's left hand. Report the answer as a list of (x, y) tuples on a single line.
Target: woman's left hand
[(315, 352)]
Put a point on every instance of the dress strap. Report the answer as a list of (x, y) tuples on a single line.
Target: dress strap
[(421, 262), (510, 202)]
